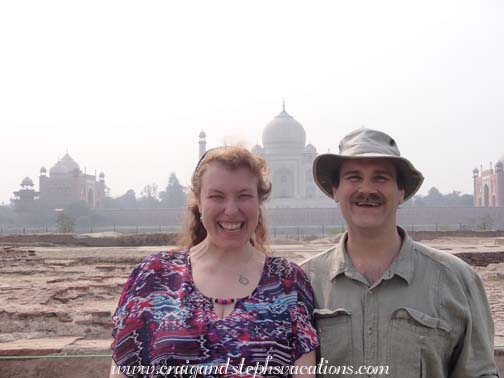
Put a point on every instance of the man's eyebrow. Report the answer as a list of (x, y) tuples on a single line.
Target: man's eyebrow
[(383, 172), (351, 172)]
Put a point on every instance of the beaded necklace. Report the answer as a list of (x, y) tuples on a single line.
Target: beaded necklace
[(224, 301)]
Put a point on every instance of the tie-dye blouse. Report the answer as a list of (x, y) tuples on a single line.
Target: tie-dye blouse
[(164, 320)]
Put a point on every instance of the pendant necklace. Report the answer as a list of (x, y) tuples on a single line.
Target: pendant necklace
[(243, 280)]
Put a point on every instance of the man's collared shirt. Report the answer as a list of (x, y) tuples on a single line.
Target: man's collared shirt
[(427, 316)]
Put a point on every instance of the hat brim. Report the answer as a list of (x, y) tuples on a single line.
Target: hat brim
[(326, 167)]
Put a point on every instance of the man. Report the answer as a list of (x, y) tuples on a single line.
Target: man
[(381, 298)]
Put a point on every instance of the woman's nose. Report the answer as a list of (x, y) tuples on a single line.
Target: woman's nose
[(231, 207)]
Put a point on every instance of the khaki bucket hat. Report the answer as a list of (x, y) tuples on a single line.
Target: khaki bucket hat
[(365, 144)]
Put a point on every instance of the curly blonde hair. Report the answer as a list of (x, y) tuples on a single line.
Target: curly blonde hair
[(232, 157)]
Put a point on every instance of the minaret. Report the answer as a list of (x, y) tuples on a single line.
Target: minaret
[(476, 186), (42, 183), (202, 143), (499, 184)]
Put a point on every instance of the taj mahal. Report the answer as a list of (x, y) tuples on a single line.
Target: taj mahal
[(290, 161)]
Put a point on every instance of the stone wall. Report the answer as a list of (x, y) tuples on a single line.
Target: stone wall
[(431, 235), (161, 238), (317, 216)]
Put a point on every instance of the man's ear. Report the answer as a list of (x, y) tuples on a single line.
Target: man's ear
[(335, 194), (401, 197)]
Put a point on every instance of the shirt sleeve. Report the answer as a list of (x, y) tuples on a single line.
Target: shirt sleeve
[(126, 348), (121, 310), (305, 338), (474, 355)]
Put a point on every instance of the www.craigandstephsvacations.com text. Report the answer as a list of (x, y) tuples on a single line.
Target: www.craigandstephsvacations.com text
[(258, 370)]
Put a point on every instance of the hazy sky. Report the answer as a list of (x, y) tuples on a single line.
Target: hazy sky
[(126, 86)]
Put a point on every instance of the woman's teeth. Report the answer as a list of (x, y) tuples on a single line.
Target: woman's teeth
[(230, 226)]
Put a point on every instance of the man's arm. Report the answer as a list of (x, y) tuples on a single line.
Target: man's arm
[(474, 355)]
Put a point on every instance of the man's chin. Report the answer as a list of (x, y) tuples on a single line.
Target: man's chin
[(368, 224)]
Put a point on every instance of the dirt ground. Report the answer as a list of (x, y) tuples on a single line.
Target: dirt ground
[(60, 299)]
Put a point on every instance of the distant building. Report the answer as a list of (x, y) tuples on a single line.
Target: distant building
[(65, 184), (489, 186), (26, 198), (290, 161), (202, 144)]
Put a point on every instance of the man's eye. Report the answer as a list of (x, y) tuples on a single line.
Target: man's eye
[(245, 195), (381, 179), (353, 178), (215, 196)]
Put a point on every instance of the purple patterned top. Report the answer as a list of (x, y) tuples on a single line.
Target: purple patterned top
[(163, 319)]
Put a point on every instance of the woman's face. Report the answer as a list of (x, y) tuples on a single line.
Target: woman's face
[(229, 205)]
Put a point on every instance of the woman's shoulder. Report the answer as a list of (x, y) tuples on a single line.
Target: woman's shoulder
[(156, 270), (160, 262), (287, 275), (164, 257), (284, 268)]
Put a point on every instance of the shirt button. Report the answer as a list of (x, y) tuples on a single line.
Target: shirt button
[(370, 331)]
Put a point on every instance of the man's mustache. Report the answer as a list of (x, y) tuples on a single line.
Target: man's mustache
[(371, 198)]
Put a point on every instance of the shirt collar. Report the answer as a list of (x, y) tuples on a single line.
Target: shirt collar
[(401, 266), (341, 262)]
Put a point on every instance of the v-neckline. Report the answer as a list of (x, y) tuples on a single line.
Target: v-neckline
[(213, 314)]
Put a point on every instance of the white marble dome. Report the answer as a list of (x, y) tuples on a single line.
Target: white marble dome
[(310, 149), (283, 131)]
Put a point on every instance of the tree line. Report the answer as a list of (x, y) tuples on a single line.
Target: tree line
[(174, 195), (434, 198)]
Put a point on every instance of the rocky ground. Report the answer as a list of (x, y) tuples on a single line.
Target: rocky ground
[(60, 299)]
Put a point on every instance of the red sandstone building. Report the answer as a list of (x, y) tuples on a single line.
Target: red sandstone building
[(489, 186), (65, 184)]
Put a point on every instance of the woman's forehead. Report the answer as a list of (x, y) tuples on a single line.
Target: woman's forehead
[(217, 175)]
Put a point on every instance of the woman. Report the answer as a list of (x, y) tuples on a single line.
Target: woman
[(224, 304)]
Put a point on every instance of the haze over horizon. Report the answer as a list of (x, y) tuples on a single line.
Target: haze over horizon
[(127, 87)]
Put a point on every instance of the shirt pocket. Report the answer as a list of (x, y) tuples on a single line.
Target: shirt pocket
[(335, 333), (418, 344)]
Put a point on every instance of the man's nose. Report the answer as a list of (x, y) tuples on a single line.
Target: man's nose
[(367, 186)]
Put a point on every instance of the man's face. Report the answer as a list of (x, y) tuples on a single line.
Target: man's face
[(368, 194)]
